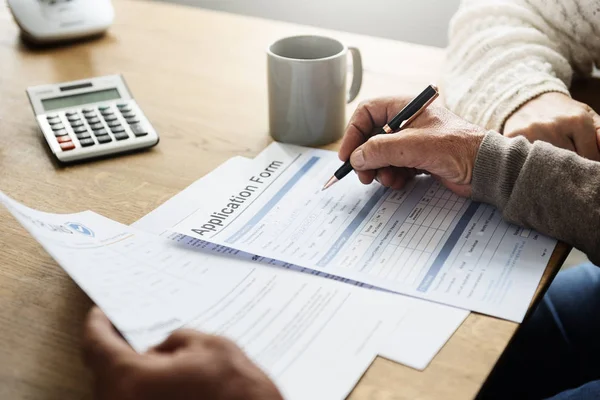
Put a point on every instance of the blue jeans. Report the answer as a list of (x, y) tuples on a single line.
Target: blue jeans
[(556, 351)]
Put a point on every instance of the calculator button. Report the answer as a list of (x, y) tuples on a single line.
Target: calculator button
[(132, 121), (109, 118), (70, 113), (60, 132), (100, 132), (128, 115), (75, 124), (67, 146), (56, 127), (73, 118), (51, 116), (86, 142), (53, 120), (88, 110), (121, 136), (96, 126), (103, 108), (125, 110), (93, 120), (107, 112), (138, 130), (103, 139), (84, 135), (63, 139), (89, 115), (116, 129), (114, 123), (122, 105), (80, 129)]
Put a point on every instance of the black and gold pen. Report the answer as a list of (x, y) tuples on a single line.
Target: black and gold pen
[(403, 118)]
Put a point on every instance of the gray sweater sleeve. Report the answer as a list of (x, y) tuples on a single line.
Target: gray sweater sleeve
[(551, 190)]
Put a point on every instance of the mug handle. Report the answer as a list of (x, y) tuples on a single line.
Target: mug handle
[(356, 74)]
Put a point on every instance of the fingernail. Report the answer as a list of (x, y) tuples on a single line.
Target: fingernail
[(357, 159)]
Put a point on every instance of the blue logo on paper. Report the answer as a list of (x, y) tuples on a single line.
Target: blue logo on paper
[(79, 228)]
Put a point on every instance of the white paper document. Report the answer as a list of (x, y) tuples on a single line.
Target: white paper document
[(422, 241), (315, 337), (421, 333)]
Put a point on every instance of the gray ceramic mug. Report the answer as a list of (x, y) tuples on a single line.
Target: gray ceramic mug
[(307, 89)]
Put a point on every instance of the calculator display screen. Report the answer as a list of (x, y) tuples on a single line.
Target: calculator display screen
[(80, 99)]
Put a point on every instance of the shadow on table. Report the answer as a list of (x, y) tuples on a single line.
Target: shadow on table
[(26, 44)]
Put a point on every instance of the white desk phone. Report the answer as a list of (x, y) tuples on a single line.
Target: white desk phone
[(48, 21)]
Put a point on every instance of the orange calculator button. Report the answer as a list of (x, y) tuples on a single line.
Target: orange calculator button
[(63, 139), (67, 146)]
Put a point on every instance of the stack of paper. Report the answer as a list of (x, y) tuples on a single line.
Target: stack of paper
[(315, 337), (244, 253), (423, 241)]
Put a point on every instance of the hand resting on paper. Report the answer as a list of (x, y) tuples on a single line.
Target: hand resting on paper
[(187, 365), (437, 142)]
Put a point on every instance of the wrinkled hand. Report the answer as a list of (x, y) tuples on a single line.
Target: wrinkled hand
[(187, 365), (437, 142), (558, 119)]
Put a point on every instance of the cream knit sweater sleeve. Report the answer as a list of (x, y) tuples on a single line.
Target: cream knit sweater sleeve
[(503, 53)]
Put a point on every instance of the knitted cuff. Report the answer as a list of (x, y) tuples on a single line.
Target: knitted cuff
[(513, 100), (497, 167)]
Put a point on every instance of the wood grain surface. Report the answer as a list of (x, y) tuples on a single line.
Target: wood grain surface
[(190, 71)]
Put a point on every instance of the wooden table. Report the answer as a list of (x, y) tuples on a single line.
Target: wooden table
[(190, 70)]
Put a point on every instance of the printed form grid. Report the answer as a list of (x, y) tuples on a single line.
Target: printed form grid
[(414, 242)]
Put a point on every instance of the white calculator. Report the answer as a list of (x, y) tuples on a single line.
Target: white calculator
[(90, 118)]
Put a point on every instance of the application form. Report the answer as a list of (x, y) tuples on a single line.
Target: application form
[(416, 340), (314, 337), (422, 241)]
